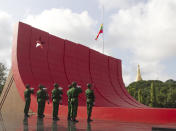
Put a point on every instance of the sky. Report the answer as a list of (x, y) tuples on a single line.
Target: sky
[(136, 31)]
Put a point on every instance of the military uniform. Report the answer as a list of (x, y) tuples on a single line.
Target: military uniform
[(56, 97), (27, 96), (74, 93), (90, 101), (69, 101), (42, 96)]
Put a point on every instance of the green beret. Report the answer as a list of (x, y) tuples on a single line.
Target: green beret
[(89, 85), (56, 85), (27, 85), (74, 83), (41, 86), (69, 86)]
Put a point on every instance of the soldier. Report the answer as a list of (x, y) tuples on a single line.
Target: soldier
[(27, 96), (56, 97), (90, 101), (75, 91), (69, 102), (42, 96)]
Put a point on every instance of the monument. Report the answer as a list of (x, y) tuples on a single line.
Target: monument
[(41, 58)]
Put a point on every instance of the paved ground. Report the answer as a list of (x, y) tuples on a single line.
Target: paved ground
[(47, 124)]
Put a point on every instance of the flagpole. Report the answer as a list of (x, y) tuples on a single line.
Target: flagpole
[(103, 43), (103, 29)]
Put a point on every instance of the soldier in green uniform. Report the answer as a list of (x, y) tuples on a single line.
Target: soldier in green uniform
[(75, 91), (56, 98), (42, 96), (27, 96), (90, 101), (69, 102)]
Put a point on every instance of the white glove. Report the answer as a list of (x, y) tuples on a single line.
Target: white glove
[(60, 88), (45, 89)]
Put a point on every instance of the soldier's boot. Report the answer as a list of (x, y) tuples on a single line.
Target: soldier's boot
[(74, 120), (56, 118), (89, 120), (40, 116)]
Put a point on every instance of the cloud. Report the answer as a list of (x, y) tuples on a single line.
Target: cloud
[(147, 31), (5, 38), (119, 4), (64, 23)]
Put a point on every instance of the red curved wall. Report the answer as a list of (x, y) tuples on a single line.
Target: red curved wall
[(63, 61)]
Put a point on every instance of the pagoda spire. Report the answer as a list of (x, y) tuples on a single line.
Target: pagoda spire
[(138, 77)]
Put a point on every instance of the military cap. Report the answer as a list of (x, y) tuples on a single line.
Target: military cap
[(69, 86), (27, 85), (74, 83), (89, 85), (41, 86), (56, 85)]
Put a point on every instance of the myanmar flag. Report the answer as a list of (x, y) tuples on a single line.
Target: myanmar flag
[(100, 31)]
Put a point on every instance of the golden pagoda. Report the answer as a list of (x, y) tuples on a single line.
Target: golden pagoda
[(138, 77)]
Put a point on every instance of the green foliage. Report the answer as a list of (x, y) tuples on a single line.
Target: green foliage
[(153, 101), (140, 99), (159, 94), (3, 74)]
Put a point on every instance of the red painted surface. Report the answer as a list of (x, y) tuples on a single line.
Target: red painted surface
[(63, 61)]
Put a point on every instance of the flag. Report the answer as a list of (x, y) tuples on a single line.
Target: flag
[(100, 31)]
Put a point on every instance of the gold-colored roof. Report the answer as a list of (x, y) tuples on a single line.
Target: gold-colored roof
[(138, 77)]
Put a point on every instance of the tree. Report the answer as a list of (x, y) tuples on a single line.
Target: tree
[(140, 96), (3, 75), (153, 96)]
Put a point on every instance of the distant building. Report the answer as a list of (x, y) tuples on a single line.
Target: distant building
[(138, 77)]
